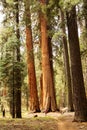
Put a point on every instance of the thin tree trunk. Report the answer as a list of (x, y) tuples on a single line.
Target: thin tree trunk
[(67, 66), (79, 95), (33, 94), (13, 91)]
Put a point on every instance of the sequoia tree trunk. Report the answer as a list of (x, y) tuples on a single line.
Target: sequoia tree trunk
[(33, 94), (79, 95), (49, 99)]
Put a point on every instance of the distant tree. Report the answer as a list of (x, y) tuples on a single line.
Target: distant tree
[(8, 68), (67, 64), (12, 43), (83, 40)]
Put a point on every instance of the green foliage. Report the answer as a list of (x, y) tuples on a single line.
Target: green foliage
[(8, 61), (35, 6), (10, 1), (67, 4), (83, 48), (59, 66), (83, 41)]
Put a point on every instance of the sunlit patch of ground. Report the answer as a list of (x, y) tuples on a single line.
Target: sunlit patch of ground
[(39, 123), (50, 121)]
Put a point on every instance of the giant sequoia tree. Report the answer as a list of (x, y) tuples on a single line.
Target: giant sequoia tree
[(33, 95), (79, 96), (49, 99)]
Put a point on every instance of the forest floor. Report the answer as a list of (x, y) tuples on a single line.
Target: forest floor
[(40, 121)]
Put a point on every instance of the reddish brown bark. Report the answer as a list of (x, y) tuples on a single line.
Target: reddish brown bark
[(49, 99), (33, 94), (41, 92)]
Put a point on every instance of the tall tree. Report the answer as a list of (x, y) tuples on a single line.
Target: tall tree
[(79, 96), (67, 65), (33, 94), (18, 71), (49, 99)]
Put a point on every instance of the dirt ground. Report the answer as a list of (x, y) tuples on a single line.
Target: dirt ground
[(40, 121)]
